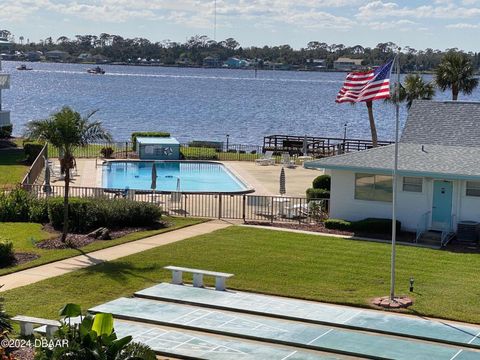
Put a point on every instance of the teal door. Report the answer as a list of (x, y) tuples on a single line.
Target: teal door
[(442, 204)]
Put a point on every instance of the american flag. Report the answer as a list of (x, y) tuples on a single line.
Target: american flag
[(366, 86)]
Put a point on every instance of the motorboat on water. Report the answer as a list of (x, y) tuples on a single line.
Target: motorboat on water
[(23, 67), (96, 70)]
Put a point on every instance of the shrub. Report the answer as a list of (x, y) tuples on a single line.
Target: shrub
[(38, 211), (317, 194), (7, 256), (374, 225), (6, 131), (86, 214), (106, 151), (321, 182), (338, 224), (146, 134), (14, 206), (32, 149), (217, 145)]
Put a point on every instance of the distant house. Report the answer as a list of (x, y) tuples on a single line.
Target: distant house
[(33, 55), (235, 63), (5, 45), (347, 64), (4, 84), (84, 57), (438, 177), (56, 55), (316, 64), (211, 62)]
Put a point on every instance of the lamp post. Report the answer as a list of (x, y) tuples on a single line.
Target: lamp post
[(228, 136)]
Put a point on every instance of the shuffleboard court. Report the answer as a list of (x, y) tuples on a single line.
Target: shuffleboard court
[(203, 346), (280, 331), (326, 314)]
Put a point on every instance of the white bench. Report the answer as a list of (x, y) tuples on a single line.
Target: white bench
[(177, 274), (27, 322)]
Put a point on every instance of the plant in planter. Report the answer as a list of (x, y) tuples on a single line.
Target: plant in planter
[(106, 152), (93, 339)]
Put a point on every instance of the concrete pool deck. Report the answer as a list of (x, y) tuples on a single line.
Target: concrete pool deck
[(264, 179)]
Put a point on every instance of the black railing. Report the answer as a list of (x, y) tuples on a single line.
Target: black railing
[(209, 205), (37, 167)]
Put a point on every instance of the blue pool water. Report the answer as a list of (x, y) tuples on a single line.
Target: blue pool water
[(190, 176)]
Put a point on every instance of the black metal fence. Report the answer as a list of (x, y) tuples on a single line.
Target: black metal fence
[(209, 205)]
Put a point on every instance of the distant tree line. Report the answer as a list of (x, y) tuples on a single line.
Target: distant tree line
[(119, 49)]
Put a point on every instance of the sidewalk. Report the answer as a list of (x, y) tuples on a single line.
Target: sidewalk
[(39, 273)]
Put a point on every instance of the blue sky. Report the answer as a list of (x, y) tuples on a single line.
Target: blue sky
[(438, 24)]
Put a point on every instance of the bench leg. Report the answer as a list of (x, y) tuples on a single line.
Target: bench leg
[(26, 328), (220, 283), (177, 277), (198, 280), (51, 330)]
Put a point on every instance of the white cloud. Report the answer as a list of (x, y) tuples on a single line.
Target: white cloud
[(463, 26)]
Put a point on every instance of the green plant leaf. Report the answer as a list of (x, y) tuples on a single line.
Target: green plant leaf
[(70, 310), (103, 324)]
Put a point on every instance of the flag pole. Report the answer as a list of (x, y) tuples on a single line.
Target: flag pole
[(394, 182)]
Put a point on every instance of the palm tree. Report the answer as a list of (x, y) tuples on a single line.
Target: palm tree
[(414, 88), (373, 127), (456, 72), (67, 130)]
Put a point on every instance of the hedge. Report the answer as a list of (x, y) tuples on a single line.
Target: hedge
[(321, 182), (317, 194), (369, 225), (146, 134), (86, 214), (31, 150), (7, 255), (6, 131)]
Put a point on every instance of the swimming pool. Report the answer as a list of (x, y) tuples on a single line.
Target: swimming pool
[(184, 176)]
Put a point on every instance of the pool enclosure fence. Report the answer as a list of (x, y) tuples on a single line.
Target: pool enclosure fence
[(244, 207)]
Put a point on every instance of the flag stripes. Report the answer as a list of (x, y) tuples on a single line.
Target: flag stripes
[(366, 86)]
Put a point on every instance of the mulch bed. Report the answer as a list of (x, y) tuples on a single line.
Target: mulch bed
[(80, 240), (25, 353), (21, 258), (320, 227)]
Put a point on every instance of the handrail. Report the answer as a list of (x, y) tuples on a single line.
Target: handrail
[(37, 167), (422, 225), (447, 232)]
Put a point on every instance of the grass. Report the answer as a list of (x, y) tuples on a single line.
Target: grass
[(25, 235), (12, 170), (306, 266)]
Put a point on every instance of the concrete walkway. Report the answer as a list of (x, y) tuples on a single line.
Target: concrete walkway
[(39, 273)]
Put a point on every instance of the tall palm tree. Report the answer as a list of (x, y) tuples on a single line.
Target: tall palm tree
[(456, 72), (414, 88), (67, 130), (373, 127)]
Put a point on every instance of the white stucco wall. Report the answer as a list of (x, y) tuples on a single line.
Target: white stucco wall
[(411, 205)]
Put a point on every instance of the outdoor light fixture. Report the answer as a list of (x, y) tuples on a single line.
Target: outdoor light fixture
[(412, 280), (228, 136)]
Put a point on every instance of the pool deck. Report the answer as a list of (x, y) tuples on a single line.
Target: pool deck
[(264, 179)]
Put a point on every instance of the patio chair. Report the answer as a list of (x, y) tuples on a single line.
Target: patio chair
[(287, 161), (267, 159)]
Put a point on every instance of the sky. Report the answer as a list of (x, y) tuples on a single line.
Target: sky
[(437, 24)]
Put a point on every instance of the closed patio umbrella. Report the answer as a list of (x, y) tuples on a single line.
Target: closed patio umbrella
[(47, 188), (154, 177), (283, 190)]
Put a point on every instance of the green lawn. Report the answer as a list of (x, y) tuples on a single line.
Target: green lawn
[(12, 170), (305, 266), (25, 235)]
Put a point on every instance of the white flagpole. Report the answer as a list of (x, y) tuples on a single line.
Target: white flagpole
[(394, 176)]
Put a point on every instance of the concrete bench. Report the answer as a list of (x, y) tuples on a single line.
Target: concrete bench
[(27, 322), (177, 273)]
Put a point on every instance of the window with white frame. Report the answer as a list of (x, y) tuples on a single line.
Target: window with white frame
[(412, 184), (373, 187), (473, 188)]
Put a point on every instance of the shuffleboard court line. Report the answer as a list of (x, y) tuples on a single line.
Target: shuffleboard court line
[(289, 355), (198, 318), (475, 337), (319, 336), (456, 354), (351, 317)]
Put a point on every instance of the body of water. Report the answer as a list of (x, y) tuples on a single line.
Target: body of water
[(196, 104)]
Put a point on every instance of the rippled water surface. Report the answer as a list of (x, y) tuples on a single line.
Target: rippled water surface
[(196, 104)]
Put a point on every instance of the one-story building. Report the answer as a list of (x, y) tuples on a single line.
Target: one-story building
[(438, 172)]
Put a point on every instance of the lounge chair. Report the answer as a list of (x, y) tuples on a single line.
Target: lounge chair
[(287, 161), (267, 159)]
